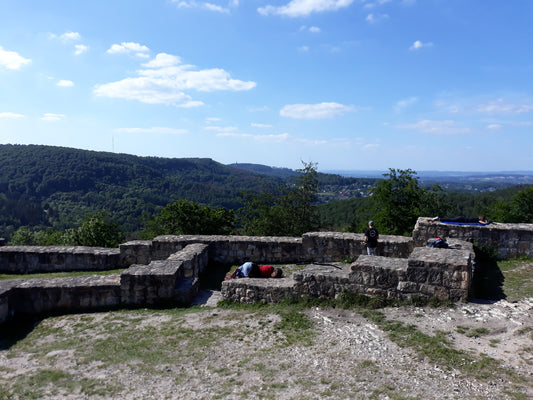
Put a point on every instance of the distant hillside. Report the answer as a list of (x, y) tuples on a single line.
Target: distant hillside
[(54, 186), (265, 170)]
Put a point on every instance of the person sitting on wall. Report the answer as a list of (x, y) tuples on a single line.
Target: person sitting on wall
[(254, 270), (462, 220)]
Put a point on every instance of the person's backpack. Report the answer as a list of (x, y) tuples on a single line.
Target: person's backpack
[(438, 243)]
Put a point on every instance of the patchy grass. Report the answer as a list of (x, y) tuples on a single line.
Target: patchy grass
[(518, 278), (438, 349), (59, 274)]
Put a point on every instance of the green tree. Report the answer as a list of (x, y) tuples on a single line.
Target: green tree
[(518, 209), (96, 231), (280, 210), (184, 217), (23, 236), (398, 201)]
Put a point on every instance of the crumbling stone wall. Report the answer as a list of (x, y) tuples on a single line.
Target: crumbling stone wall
[(35, 296), (338, 246), (33, 259), (509, 240), (428, 272), (173, 280)]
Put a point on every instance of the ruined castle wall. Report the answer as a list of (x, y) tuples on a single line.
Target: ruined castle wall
[(509, 240), (234, 249), (445, 274), (34, 259), (339, 246), (35, 296), (172, 280)]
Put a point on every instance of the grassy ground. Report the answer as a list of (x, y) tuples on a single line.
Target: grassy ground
[(58, 274), (518, 279), (247, 351)]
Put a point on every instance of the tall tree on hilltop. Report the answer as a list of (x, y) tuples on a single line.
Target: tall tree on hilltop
[(281, 210), (184, 217), (398, 201)]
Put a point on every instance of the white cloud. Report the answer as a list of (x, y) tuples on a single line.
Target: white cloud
[(417, 45), (80, 49), (164, 80), (10, 115), (70, 36), (501, 107), (52, 117), (376, 3), (302, 8), (494, 127), (163, 60), (155, 129), (315, 111), (256, 125), (274, 138), (314, 29), (374, 18), (447, 127), (65, 83), (66, 37), (129, 47), (222, 129), (206, 5), (12, 60), (404, 103)]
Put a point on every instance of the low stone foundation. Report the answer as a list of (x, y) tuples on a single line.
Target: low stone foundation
[(428, 272), (171, 281), (174, 280), (36, 259), (167, 269), (508, 240)]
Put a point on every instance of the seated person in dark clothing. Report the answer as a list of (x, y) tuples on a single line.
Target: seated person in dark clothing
[(479, 220), (254, 270)]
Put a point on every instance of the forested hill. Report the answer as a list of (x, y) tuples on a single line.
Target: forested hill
[(68, 182)]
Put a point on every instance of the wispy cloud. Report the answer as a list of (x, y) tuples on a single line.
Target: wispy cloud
[(312, 29), (66, 37), (11, 115), (433, 127), (374, 18), (417, 45), (65, 83), (12, 60), (155, 130), (80, 49), (376, 3), (404, 103), (129, 47), (315, 111), (273, 138), (500, 106), (164, 80), (303, 8), (222, 129), (53, 117), (256, 125), (207, 5)]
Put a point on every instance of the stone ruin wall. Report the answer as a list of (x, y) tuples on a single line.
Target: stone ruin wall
[(165, 270), (508, 240)]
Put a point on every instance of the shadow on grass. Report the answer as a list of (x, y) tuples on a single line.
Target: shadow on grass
[(213, 275), (487, 282), (16, 329)]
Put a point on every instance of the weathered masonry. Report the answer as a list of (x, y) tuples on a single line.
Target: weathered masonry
[(166, 270)]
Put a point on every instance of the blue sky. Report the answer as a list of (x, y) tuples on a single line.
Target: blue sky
[(346, 84)]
